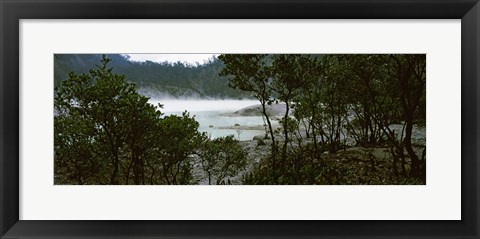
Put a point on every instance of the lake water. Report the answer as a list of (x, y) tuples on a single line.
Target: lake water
[(207, 113)]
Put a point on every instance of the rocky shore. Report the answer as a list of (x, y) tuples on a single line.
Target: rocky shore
[(368, 165), (274, 110)]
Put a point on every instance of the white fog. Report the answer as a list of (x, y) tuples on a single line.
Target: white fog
[(210, 115)]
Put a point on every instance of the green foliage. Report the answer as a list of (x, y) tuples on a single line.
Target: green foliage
[(251, 73), (222, 158), (343, 168), (75, 157), (93, 115), (107, 133), (336, 97), (295, 169), (179, 139)]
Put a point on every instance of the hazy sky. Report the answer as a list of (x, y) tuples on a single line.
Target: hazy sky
[(188, 58)]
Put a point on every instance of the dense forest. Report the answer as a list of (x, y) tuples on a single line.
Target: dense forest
[(165, 79), (106, 132)]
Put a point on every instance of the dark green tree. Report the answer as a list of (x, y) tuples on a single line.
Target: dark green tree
[(251, 73), (288, 81), (179, 140), (221, 158), (410, 72), (308, 104), (99, 118), (334, 100)]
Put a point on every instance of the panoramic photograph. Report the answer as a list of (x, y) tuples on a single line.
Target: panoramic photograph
[(239, 119)]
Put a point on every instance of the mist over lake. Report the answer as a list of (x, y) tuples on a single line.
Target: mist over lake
[(209, 115)]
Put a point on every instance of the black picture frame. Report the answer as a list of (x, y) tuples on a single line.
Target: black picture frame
[(11, 11)]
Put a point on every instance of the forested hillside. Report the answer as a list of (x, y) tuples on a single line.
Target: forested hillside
[(156, 80)]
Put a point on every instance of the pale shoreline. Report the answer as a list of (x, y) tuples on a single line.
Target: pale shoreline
[(274, 110)]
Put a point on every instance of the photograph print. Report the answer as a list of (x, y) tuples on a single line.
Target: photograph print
[(240, 119)]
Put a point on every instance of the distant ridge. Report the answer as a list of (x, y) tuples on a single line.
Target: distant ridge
[(155, 79)]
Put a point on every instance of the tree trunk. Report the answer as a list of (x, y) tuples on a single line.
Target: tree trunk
[(414, 170), (314, 134), (136, 168), (274, 148), (395, 160), (285, 131), (114, 177)]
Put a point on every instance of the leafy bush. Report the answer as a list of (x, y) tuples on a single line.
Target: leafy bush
[(222, 158)]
